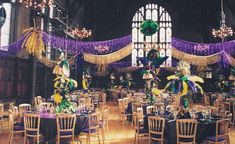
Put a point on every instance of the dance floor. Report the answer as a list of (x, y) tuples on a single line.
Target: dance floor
[(119, 134)]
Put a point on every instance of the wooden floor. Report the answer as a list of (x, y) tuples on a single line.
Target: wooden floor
[(119, 134)]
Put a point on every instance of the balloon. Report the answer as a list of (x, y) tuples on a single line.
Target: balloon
[(2, 15)]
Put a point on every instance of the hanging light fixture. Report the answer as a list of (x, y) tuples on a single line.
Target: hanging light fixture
[(223, 31), (36, 4)]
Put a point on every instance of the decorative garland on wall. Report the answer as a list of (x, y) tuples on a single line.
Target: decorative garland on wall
[(195, 53)]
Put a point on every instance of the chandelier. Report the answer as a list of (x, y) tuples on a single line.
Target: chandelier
[(223, 31), (36, 4), (83, 33)]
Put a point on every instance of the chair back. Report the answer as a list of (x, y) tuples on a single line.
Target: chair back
[(82, 101), (151, 109), (11, 119), (105, 115), (31, 124), (24, 108), (156, 127), (94, 120), (206, 100), (1, 109), (65, 123), (88, 101), (126, 101), (140, 114), (222, 128), (227, 106), (135, 105), (46, 105), (159, 106), (121, 105), (186, 129)]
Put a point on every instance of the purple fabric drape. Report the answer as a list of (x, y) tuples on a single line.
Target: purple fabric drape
[(203, 49)]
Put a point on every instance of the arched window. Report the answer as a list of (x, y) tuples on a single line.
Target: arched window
[(5, 30), (161, 39)]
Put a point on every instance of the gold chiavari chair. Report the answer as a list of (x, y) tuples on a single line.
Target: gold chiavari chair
[(31, 126), (221, 135), (82, 102), (234, 114), (14, 129), (104, 125), (102, 99), (88, 102), (150, 109), (65, 126), (156, 129), (140, 131), (227, 106), (159, 106), (1, 115), (186, 131), (23, 108), (122, 111), (93, 129), (134, 111), (206, 100)]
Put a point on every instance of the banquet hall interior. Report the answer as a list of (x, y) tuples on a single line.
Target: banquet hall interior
[(117, 71)]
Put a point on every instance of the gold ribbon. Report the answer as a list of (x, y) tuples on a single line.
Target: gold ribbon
[(109, 58)]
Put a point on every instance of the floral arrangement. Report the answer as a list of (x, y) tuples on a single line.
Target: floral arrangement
[(149, 27), (101, 48), (63, 85)]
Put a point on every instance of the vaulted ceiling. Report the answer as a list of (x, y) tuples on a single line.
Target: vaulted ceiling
[(192, 19)]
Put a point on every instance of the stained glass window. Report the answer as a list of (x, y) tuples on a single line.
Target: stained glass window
[(161, 39)]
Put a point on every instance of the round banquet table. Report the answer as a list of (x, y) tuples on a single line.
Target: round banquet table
[(48, 125)]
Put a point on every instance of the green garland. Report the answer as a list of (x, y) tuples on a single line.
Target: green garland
[(149, 27)]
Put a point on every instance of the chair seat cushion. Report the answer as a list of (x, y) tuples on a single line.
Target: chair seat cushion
[(19, 124), (91, 131), (18, 128), (186, 140), (143, 130), (67, 133), (155, 136), (32, 132), (213, 138)]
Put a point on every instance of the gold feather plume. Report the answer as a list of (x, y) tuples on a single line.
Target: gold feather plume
[(33, 43)]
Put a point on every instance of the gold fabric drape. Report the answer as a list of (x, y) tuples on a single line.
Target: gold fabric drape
[(109, 58), (196, 60), (230, 59)]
